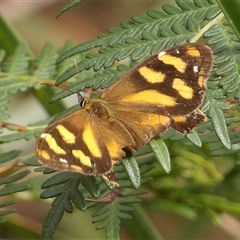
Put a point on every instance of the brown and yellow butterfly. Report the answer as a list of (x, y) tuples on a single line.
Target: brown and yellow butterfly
[(164, 91)]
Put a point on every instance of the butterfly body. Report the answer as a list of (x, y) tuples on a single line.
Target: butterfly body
[(164, 91)]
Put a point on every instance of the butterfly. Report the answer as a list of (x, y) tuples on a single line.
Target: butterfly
[(165, 91)]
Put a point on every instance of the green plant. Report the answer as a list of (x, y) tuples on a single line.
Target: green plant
[(194, 185)]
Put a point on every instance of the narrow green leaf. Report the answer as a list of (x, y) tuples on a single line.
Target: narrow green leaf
[(78, 199), (4, 157), (53, 192), (51, 222), (127, 200), (194, 138), (14, 177), (59, 200), (132, 193), (161, 152), (139, 52), (220, 58), (67, 205), (193, 24), (100, 217), (227, 67), (80, 48), (218, 121), (124, 215), (3, 107), (9, 37), (6, 212), (18, 63), (48, 170), (91, 185), (218, 47), (229, 77), (178, 28), (231, 11), (140, 19), (69, 5), (214, 217), (102, 210), (7, 203), (171, 10), (32, 161), (14, 189), (155, 14), (206, 105), (59, 178), (21, 135), (132, 168), (125, 208)]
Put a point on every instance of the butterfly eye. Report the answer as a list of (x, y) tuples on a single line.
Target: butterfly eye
[(81, 100)]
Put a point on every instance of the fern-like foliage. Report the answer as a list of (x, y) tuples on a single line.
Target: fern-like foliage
[(8, 184), (225, 45), (72, 188), (142, 36), (134, 40)]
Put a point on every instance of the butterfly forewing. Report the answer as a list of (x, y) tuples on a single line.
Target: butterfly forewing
[(172, 82)]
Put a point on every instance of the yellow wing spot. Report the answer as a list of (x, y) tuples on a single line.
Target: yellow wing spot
[(44, 154), (53, 145), (179, 64), (114, 150), (193, 52), (151, 76), (85, 160), (155, 119), (150, 97), (180, 119), (76, 168), (90, 140), (183, 90), (202, 80), (66, 134)]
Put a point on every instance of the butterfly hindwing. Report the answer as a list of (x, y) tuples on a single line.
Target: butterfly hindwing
[(78, 143), (142, 127)]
